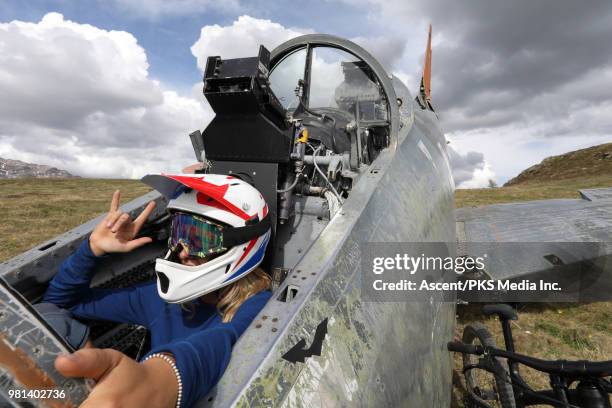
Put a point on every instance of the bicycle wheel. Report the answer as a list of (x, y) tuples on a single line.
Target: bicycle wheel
[(486, 388)]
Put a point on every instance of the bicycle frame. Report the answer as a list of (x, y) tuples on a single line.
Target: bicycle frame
[(592, 390), (586, 393)]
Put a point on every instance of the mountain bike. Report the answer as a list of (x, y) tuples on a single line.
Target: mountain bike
[(493, 379)]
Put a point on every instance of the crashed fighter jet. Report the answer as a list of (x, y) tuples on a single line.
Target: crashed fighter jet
[(344, 155)]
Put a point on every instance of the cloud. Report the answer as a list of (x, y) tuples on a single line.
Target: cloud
[(243, 37), (498, 58), (481, 178), (528, 69), (463, 166), (240, 39), (155, 9), (388, 50), (470, 169), (80, 98)]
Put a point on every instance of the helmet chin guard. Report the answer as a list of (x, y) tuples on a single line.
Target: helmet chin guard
[(228, 201)]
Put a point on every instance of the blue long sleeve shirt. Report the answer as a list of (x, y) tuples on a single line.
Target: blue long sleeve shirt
[(201, 343)]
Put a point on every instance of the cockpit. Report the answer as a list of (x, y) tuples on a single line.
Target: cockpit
[(302, 124), (334, 94), (306, 106)]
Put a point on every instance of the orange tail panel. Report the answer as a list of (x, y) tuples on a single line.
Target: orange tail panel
[(426, 81)]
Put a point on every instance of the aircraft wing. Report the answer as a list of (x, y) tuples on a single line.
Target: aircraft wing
[(531, 238)]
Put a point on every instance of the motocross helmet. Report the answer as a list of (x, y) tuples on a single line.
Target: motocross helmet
[(219, 217)]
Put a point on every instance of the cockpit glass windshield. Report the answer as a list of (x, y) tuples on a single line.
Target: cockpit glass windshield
[(285, 76), (340, 80)]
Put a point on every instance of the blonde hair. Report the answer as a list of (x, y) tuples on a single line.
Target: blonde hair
[(233, 296)]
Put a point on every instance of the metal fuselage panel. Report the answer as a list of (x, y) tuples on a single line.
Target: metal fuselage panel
[(374, 354)]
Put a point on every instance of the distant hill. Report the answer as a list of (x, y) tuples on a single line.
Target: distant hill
[(591, 162), (10, 169)]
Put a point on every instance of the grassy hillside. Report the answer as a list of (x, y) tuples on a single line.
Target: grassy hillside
[(580, 164), (537, 190), (35, 210)]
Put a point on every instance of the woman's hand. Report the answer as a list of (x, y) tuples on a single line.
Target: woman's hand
[(193, 168), (121, 381), (116, 232)]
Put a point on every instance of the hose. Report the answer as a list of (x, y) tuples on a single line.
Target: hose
[(332, 202), (331, 186), (292, 186)]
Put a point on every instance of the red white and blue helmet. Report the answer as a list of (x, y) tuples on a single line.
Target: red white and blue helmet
[(223, 205)]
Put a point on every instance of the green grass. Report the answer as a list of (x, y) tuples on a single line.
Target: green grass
[(580, 164), (571, 337), (35, 210), (549, 328), (527, 191)]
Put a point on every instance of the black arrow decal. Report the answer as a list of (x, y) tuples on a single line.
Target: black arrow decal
[(300, 353)]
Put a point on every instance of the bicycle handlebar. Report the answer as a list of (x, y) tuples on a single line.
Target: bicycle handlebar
[(460, 347), (580, 368)]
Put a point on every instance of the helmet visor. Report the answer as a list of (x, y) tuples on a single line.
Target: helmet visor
[(200, 236)]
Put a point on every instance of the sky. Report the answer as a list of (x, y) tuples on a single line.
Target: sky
[(113, 88)]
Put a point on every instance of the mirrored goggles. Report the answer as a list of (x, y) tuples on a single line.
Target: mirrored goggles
[(200, 236)]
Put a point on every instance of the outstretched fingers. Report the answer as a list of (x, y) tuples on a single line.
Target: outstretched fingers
[(112, 218), (113, 212), (122, 219), (144, 215), (137, 243), (114, 206)]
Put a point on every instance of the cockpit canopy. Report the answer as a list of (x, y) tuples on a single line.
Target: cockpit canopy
[(329, 78), (333, 91)]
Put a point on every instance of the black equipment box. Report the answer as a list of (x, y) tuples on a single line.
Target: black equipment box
[(250, 123)]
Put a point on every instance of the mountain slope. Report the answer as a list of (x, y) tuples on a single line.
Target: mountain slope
[(10, 169), (590, 162)]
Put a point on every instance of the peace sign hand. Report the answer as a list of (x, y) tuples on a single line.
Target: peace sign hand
[(116, 232)]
